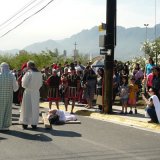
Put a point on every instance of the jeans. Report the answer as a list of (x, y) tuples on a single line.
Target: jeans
[(152, 113)]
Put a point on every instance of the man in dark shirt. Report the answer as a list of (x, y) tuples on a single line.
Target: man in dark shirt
[(73, 85), (53, 94)]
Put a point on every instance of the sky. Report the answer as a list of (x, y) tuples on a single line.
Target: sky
[(64, 18)]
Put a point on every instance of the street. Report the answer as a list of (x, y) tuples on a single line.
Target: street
[(92, 139)]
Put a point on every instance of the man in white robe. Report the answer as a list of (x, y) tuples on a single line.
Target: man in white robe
[(8, 84), (31, 81)]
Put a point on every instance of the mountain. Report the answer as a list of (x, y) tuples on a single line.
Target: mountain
[(13, 51), (87, 42), (129, 41), (42, 46)]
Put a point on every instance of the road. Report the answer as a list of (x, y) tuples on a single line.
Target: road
[(90, 140)]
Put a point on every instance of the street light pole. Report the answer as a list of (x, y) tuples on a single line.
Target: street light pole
[(156, 28), (146, 25)]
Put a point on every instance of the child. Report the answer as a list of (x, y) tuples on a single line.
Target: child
[(133, 89), (124, 91)]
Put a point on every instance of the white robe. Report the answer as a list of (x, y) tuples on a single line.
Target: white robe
[(156, 103), (31, 81), (65, 116)]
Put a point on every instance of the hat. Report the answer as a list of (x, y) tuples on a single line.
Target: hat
[(4, 67)]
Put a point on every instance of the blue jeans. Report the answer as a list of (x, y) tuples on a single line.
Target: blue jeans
[(152, 113)]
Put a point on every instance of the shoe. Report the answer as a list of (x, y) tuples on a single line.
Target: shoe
[(150, 121), (135, 111), (34, 126), (130, 112), (24, 126), (121, 112), (125, 112)]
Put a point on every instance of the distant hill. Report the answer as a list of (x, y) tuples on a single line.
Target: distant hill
[(129, 41), (87, 40), (42, 46), (13, 51)]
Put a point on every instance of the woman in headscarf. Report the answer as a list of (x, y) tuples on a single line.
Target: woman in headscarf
[(31, 81), (99, 86), (89, 83), (8, 84)]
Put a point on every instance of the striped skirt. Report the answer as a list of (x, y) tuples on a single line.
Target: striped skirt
[(53, 94), (71, 93)]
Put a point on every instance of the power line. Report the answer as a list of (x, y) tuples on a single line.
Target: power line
[(21, 14), (27, 19), (27, 5)]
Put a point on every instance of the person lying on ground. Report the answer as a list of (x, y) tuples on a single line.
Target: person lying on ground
[(56, 116)]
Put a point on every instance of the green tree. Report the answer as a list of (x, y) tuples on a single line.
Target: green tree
[(151, 48), (42, 59)]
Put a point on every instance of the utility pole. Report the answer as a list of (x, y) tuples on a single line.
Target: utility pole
[(75, 51), (156, 31), (110, 42)]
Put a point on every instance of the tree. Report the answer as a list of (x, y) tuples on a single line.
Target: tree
[(43, 59), (151, 48)]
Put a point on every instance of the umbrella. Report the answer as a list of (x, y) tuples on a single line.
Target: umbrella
[(98, 63)]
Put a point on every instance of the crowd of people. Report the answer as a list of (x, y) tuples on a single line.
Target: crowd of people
[(73, 83)]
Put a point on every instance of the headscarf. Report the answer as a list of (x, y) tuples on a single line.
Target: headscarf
[(4, 67), (31, 66)]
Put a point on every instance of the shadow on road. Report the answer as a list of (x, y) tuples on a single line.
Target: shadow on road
[(60, 133), (84, 112), (28, 136), (1, 138)]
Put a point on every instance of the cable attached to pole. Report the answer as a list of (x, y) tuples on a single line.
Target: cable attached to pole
[(27, 19)]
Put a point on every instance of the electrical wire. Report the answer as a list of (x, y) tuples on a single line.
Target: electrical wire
[(1, 28), (27, 5), (27, 19)]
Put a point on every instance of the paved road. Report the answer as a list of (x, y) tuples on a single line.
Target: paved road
[(90, 140)]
